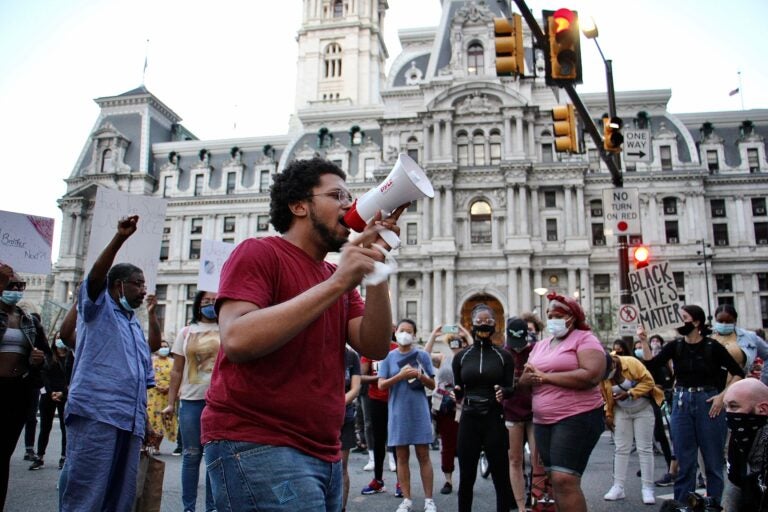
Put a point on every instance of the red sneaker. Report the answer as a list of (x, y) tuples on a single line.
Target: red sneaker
[(375, 487)]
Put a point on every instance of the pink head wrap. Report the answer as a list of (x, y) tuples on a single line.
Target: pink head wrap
[(568, 306)]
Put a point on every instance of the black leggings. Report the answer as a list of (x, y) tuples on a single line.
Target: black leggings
[(48, 409), (379, 418), (16, 394), (660, 434), (30, 427), (483, 433)]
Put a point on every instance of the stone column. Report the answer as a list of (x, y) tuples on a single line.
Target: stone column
[(741, 223), (581, 213), (447, 228), (523, 209), (568, 218), (519, 149), (532, 137), (525, 286), (426, 300), (437, 294), (425, 208), (651, 221), (572, 284), (447, 139), (507, 137), (425, 138), (536, 219), (394, 296), (436, 211), (450, 295), (75, 242), (511, 210), (512, 289), (438, 140), (586, 289)]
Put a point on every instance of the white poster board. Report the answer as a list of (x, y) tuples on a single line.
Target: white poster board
[(25, 242), (656, 297), (143, 247), (212, 257)]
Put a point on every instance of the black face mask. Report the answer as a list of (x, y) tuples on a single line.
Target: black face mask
[(517, 344), (686, 329), (478, 329), (744, 428), (532, 338)]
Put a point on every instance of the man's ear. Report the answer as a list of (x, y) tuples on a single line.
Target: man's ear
[(299, 208), (762, 409)]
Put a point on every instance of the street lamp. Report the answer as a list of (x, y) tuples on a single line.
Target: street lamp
[(541, 292), (704, 257)]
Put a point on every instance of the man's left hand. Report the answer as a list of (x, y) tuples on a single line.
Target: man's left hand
[(151, 304)]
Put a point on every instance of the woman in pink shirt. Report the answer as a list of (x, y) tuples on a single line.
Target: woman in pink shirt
[(564, 372)]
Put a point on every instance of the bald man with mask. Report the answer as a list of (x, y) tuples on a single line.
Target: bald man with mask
[(746, 405)]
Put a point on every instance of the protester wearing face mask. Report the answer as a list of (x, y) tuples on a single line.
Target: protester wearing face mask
[(484, 375), (746, 405), (405, 372), (158, 398), (194, 353), (518, 413), (56, 377), (23, 352), (698, 421), (743, 345), (107, 402), (565, 371)]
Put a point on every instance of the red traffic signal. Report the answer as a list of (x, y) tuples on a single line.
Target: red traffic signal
[(641, 255), (563, 64)]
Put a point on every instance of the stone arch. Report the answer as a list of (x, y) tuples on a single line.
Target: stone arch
[(494, 302)]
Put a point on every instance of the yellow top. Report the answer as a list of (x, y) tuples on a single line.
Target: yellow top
[(632, 369)]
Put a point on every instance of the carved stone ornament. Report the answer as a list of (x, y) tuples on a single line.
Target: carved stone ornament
[(306, 152), (414, 75), (473, 11), (369, 146), (392, 153), (336, 149), (664, 132), (203, 160), (477, 103)]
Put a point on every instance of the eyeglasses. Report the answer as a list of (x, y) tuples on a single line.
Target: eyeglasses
[(342, 196), (18, 286), (138, 284), (487, 321)]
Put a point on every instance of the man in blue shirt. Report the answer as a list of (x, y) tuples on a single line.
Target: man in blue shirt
[(107, 402)]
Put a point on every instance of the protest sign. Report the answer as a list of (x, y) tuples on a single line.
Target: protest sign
[(25, 242), (212, 258), (143, 247), (653, 288)]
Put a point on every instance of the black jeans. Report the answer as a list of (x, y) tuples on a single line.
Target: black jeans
[(30, 427), (379, 418), (484, 433), (48, 409), (16, 395)]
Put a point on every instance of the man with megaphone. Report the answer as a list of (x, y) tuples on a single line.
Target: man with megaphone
[(276, 399)]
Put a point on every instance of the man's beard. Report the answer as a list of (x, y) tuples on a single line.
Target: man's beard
[(332, 243)]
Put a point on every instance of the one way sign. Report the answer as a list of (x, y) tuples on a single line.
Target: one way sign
[(637, 146)]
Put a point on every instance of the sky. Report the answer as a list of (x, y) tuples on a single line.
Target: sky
[(228, 68)]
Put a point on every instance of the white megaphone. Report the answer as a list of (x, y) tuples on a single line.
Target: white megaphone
[(406, 182)]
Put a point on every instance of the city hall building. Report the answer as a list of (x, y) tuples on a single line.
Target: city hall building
[(510, 215)]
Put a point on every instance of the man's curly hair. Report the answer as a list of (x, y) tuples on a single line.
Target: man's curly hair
[(295, 183)]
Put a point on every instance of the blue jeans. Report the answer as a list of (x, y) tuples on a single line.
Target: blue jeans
[(192, 454), (693, 430), (249, 477)]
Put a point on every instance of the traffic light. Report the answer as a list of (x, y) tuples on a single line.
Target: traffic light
[(612, 137), (641, 255), (564, 117), (563, 64), (509, 45)]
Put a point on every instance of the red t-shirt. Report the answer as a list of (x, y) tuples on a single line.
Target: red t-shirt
[(295, 395), (374, 393)]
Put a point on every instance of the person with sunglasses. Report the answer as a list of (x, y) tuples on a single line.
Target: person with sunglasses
[(24, 351), (484, 375), (106, 413), (276, 398)]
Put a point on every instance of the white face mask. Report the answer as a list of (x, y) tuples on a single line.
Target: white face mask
[(557, 327), (404, 338)]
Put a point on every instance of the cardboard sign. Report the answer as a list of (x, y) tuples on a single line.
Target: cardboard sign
[(25, 242), (656, 297), (212, 257), (143, 247)]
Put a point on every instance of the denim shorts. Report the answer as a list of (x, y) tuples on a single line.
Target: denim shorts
[(249, 477), (565, 446)]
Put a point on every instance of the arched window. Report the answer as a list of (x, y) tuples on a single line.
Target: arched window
[(333, 61), (338, 9), (475, 59), (547, 147), (478, 147), (462, 148), (106, 161), (495, 147), (480, 222), (412, 148)]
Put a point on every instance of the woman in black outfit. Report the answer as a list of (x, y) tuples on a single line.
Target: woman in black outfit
[(483, 375), (698, 418)]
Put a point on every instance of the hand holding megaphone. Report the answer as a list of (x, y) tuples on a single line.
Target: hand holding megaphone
[(406, 182)]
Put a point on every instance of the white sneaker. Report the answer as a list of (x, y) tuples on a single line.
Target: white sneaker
[(369, 466), (392, 465), (429, 505), (405, 506), (648, 497), (615, 493)]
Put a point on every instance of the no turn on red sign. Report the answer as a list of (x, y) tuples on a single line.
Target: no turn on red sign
[(621, 211)]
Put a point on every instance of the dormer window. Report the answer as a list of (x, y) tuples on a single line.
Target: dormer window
[(475, 59), (106, 161)]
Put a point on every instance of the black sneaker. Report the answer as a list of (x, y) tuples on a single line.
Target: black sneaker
[(177, 451), (666, 481), (30, 454), (37, 464), (61, 462), (447, 488)]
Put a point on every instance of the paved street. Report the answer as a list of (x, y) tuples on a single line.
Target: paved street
[(36, 490)]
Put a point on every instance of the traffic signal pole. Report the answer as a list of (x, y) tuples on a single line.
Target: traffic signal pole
[(612, 160)]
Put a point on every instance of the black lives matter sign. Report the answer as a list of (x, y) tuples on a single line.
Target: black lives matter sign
[(656, 297)]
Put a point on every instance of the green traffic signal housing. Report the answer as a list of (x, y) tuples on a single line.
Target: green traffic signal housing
[(612, 137), (509, 45), (563, 62), (564, 117)]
